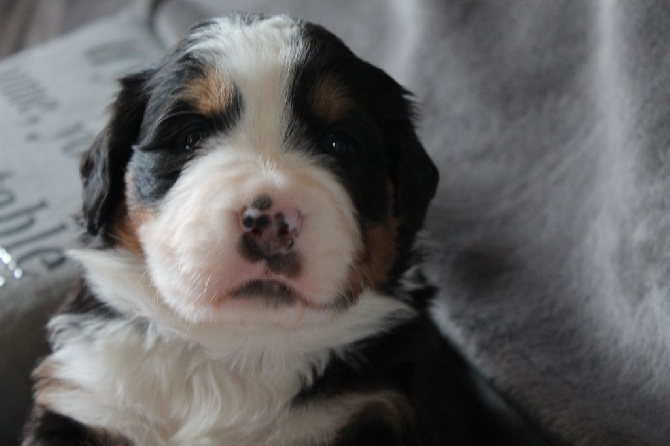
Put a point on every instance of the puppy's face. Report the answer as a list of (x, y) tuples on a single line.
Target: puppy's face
[(262, 173)]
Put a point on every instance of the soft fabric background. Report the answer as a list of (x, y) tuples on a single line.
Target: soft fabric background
[(550, 124)]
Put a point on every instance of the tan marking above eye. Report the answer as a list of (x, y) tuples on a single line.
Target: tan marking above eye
[(330, 99), (211, 93)]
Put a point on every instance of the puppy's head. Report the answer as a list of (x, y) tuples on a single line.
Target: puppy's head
[(260, 169)]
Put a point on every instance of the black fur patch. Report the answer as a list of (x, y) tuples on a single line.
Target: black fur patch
[(47, 428)]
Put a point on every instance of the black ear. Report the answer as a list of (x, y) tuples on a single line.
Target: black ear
[(103, 165), (413, 173)]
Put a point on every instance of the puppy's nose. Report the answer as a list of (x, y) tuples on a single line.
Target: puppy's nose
[(269, 231)]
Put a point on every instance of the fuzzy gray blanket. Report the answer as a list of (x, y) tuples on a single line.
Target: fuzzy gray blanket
[(550, 122)]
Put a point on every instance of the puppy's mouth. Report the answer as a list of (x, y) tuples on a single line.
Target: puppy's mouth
[(273, 293)]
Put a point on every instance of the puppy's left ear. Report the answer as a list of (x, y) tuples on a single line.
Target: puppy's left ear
[(103, 165)]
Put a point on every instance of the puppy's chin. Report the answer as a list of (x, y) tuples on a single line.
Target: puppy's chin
[(119, 278)]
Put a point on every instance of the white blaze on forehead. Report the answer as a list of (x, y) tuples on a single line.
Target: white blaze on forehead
[(259, 56)]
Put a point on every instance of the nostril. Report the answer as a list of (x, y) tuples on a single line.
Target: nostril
[(283, 230), (248, 222), (288, 222), (254, 220)]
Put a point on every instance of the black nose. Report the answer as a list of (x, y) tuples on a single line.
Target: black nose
[(268, 231)]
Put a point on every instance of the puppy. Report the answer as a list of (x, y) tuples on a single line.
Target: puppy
[(251, 275)]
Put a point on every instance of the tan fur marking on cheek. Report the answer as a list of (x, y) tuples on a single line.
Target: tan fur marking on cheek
[(46, 384), (128, 219), (380, 242), (331, 100), (375, 259), (393, 407), (378, 253), (211, 93), (126, 228)]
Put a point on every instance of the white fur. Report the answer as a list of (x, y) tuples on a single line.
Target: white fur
[(159, 380)]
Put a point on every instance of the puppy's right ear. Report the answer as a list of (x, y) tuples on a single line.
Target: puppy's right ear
[(104, 164)]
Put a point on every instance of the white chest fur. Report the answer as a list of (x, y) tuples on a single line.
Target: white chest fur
[(155, 390), (156, 384)]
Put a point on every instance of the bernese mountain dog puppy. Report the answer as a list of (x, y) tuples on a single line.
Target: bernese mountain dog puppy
[(251, 269)]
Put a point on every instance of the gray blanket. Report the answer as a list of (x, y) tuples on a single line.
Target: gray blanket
[(549, 121)]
